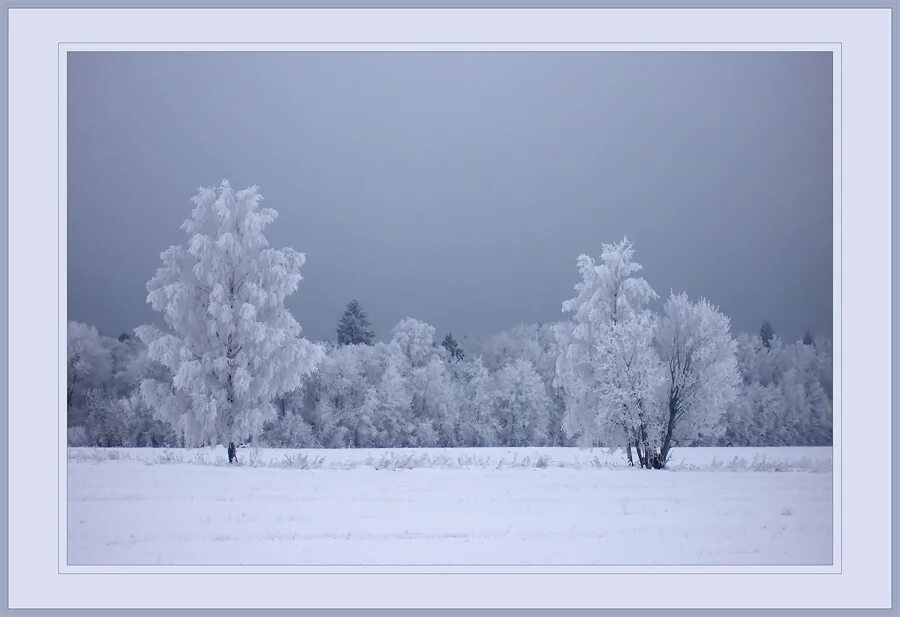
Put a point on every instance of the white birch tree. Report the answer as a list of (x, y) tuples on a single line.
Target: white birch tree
[(607, 366), (231, 345)]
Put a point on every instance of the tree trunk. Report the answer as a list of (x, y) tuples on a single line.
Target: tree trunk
[(640, 454), (232, 453), (628, 451), (667, 439), (647, 459)]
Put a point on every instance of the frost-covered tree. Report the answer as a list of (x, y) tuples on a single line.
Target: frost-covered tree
[(630, 386), (521, 405), (89, 366), (754, 418), (289, 429), (536, 343), (392, 406), (346, 398), (694, 340), (129, 364), (354, 327), (785, 395), (143, 428), (105, 420), (475, 397), (415, 340), (105, 406), (542, 350), (231, 345), (434, 414), (609, 323)]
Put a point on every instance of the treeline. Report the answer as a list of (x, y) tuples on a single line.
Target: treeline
[(786, 393), (411, 391)]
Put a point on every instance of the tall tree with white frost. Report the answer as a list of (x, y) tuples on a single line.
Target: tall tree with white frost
[(695, 342), (392, 405), (607, 366), (232, 346), (434, 416), (630, 387), (475, 400)]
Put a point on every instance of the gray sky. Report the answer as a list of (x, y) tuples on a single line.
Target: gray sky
[(459, 188)]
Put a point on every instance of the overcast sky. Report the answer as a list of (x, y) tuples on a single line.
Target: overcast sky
[(459, 188)]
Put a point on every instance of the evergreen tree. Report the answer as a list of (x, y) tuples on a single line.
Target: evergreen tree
[(354, 327), (453, 349), (766, 334)]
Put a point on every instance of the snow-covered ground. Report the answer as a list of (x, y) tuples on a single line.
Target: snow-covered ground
[(462, 506)]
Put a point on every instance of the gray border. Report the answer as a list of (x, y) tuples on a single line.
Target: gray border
[(4, 279)]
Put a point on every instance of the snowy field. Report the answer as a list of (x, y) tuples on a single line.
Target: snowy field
[(485, 506)]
